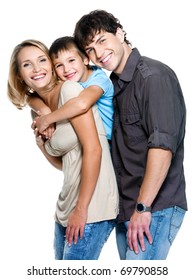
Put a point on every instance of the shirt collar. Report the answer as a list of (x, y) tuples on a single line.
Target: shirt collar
[(130, 67)]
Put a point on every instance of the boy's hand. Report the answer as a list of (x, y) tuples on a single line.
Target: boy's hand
[(41, 123), (42, 126)]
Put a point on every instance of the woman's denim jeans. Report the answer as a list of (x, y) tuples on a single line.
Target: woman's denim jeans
[(87, 248), (164, 227)]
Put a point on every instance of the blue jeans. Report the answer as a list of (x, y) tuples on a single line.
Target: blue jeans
[(164, 227), (87, 248)]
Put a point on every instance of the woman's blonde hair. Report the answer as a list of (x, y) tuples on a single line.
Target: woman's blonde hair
[(17, 89)]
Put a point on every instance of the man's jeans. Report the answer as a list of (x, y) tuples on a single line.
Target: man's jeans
[(87, 248), (164, 227)]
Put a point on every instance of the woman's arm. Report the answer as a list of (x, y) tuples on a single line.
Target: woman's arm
[(74, 107), (38, 105), (85, 128), (55, 161)]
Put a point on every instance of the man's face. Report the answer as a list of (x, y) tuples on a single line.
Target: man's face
[(106, 50)]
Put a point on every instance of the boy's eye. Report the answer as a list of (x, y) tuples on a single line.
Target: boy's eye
[(72, 60), (58, 65)]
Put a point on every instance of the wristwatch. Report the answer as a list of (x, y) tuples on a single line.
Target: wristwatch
[(140, 208)]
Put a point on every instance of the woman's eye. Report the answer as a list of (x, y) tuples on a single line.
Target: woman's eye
[(26, 65), (43, 60)]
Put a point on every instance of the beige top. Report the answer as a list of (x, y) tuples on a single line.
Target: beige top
[(64, 142)]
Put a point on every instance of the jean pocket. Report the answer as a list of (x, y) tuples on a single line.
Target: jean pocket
[(176, 222)]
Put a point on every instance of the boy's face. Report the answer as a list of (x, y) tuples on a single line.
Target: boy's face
[(69, 65), (106, 50)]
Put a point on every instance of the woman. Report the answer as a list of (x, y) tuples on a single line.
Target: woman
[(88, 202)]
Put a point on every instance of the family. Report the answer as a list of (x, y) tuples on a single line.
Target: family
[(118, 139)]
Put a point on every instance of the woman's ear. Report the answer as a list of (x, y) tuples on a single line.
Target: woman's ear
[(120, 35), (20, 79)]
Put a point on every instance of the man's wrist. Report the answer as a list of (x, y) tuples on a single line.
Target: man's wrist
[(141, 207)]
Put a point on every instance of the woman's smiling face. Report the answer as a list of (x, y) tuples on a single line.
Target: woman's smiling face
[(34, 67)]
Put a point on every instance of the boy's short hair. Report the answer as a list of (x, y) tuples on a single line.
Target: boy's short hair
[(64, 43)]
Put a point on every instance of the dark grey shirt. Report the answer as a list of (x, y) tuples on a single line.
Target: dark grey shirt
[(149, 113)]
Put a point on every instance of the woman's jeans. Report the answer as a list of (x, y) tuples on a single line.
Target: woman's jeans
[(164, 227), (87, 248)]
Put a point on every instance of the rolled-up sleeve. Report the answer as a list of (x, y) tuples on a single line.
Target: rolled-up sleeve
[(164, 112)]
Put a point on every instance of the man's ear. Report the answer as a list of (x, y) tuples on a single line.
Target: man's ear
[(120, 35)]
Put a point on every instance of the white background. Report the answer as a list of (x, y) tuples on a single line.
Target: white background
[(29, 185)]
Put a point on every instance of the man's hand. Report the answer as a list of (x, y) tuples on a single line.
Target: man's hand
[(138, 229)]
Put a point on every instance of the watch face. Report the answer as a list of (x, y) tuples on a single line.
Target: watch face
[(140, 207)]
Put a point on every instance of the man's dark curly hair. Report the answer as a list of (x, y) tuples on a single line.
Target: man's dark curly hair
[(94, 22)]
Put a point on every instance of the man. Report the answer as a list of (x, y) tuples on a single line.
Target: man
[(147, 140)]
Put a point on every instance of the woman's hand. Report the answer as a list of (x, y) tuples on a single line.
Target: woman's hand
[(40, 139), (76, 224)]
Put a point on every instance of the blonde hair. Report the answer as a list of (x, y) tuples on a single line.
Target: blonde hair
[(17, 90)]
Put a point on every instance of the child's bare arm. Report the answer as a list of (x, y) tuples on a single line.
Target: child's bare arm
[(74, 107)]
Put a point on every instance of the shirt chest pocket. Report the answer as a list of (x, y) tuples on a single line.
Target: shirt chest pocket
[(132, 130)]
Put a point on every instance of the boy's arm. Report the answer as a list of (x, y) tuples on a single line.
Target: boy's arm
[(74, 107), (38, 105)]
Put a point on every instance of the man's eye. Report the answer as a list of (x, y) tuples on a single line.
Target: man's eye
[(89, 51)]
